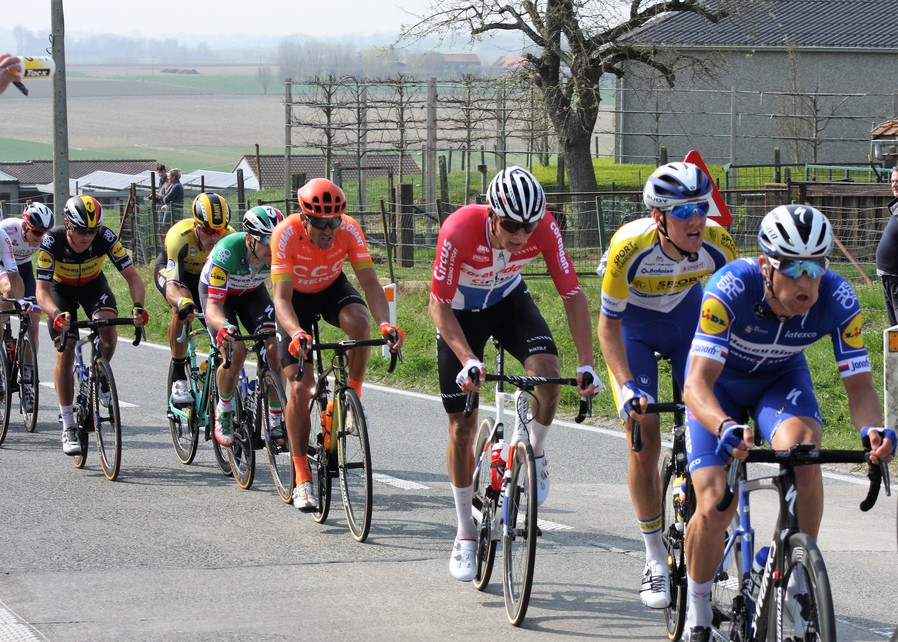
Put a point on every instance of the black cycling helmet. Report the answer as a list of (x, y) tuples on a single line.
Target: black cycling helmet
[(83, 212)]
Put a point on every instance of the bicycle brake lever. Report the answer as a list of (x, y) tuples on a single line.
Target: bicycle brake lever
[(729, 491)]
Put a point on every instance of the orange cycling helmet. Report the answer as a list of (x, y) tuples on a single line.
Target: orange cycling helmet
[(320, 197)]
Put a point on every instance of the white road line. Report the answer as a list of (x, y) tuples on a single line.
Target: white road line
[(543, 524), (122, 404), (15, 629), (397, 483)]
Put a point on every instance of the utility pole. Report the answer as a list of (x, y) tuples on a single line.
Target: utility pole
[(60, 114)]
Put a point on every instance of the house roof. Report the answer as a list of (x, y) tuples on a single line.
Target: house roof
[(777, 23), (510, 63), (888, 129), (313, 165), (41, 172)]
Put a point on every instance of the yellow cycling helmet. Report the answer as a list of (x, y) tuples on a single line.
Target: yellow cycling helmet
[(83, 212), (211, 210)]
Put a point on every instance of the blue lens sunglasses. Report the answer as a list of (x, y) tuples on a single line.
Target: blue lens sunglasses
[(794, 268), (685, 212)]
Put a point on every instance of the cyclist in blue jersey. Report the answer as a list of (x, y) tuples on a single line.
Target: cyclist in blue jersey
[(757, 318)]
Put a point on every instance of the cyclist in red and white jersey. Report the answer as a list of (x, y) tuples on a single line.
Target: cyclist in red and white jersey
[(477, 292)]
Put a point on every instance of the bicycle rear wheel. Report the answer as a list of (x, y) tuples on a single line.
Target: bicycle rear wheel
[(277, 444), (354, 464), (808, 615), (5, 395), (727, 602), (242, 456), (185, 434), (485, 502), (319, 460), (29, 387), (520, 532), (85, 424), (107, 419), (673, 531)]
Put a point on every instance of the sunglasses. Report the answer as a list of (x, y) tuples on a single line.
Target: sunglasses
[(812, 268), (211, 231), (685, 212), (512, 227), (85, 231), (324, 223), (265, 240)]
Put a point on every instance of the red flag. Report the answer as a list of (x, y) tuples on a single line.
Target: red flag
[(719, 211)]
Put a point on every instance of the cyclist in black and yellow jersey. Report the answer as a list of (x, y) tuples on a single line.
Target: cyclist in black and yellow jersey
[(177, 275), (69, 275)]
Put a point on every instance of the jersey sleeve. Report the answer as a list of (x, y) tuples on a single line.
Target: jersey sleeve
[(7, 256), (283, 241), (715, 322), (218, 275), (848, 342), (46, 263), (626, 245), (720, 244), (448, 261), (561, 269), (116, 251), (356, 247)]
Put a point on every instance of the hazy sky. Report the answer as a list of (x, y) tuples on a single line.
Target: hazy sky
[(320, 18)]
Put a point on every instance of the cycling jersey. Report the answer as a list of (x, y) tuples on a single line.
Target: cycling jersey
[(470, 274), (311, 269), (58, 262), (228, 270), (7, 258), (638, 271), (182, 254), (736, 325), (21, 248)]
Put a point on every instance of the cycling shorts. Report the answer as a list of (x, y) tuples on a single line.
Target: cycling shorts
[(768, 398), (646, 332), (326, 304), (253, 309), (93, 297), (515, 322)]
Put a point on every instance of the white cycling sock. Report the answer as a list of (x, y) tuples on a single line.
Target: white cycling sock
[(655, 551), (463, 504), (698, 609), (538, 433), (68, 416)]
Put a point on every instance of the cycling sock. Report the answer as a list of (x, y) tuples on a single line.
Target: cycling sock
[(357, 386), (301, 465), (68, 416), (179, 369), (225, 404), (463, 502), (698, 611), (655, 550), (538, 434)]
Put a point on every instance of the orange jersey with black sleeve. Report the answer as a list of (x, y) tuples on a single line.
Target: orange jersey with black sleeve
[(311, 269), (58, 262)]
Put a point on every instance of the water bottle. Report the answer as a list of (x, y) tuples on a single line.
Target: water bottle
[(498, 459), (757, 569), (679, 500), (327, 420)]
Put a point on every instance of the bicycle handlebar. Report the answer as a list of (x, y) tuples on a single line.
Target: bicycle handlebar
[(17, 306), (341, 347), (526, 382), (258, 336), (807, 454), (650, 409), (183, 336), (94, 324)]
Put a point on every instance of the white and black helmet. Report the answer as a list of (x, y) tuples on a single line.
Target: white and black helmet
[(516, 194), (259, 222), (38, 215), (796, 231), (676, 184)]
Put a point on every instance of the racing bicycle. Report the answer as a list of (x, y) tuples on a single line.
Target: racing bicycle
[(509, 511), (96, 403), (22, 375)]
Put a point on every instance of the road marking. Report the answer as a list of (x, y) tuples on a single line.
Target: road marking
[(15, 629), (543, 524), (398, 483), (121, 404)]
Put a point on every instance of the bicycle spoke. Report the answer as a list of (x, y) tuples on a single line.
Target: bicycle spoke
[(107, 419), (319, 460), (277, 445), (242, 456), (520, 532), (354, 461), (484, 502)]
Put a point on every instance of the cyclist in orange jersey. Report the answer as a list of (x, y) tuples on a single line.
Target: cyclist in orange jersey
[(309, 249)]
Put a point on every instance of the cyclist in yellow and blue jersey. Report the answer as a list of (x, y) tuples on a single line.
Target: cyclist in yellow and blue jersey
[(651, 293), (177, 275), (69, 276)]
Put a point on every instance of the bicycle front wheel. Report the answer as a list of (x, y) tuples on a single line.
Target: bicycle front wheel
[(485, 502), (520, 532), (5, 394), (319, 459), (354, 464), (277, 444), (221, 456), (802, 608), (673, 531), (185, 434), (29, 388), (107, 419), (727, 602), (242, 456), (85, 422)]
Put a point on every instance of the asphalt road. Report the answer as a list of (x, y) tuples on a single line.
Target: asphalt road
[(180, 552)]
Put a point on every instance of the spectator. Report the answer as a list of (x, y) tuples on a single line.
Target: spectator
[(172, 201), (8, 65), (887, 255), (161, 180)]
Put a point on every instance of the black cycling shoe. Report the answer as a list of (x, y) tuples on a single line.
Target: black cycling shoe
[(699, 634)]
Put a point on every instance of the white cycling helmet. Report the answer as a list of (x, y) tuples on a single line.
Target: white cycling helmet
[(516, 194), (38, 215), (795, 231), (676, 184)]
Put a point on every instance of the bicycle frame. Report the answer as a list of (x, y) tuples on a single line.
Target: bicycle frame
[(202, 381)]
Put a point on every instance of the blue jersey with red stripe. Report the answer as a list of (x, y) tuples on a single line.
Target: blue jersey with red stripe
[(736, 326)]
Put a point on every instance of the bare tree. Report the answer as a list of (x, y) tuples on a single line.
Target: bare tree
[(263, 75), (575, 43)]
